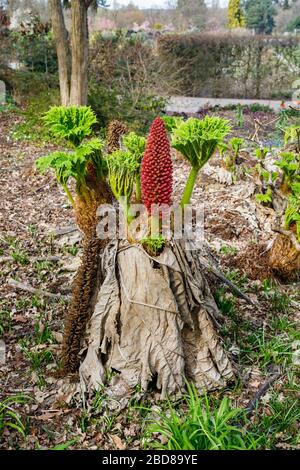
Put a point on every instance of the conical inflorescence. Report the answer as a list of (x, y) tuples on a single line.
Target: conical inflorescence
[(156, 168), (114, 132)]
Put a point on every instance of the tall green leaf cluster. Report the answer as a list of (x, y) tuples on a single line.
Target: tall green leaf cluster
[(197, 140), (202, 425), (136, 144), (122, 170), (292, 212), (74, 125), (292, 134), (290, 165)]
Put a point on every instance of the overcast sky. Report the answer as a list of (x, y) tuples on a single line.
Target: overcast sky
[(150, 3)]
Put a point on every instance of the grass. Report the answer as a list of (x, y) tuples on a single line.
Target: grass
[(42, 269), (43, 334), (6, 317), (226, 302), (19, 256), (9, 416), (202, 424), (237, 277), (38, 358), (277, 421), (98, 400), (71, 249), (265, 350), (279, 301), (228, 250)]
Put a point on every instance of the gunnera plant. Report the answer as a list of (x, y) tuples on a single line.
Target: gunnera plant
[(83, 162), (135, 144), (122, 170), (134, 314), (197, 141)]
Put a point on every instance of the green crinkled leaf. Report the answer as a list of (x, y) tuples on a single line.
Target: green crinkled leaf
[(122, 169), (198, 139), (72, 123), (135, 144), (171, 122)]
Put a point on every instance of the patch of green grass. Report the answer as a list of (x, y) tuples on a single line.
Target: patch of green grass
[(203, 424), (278, 421), (22, 304), (107, 422), (15, 250), (71, 249), (43, 334), (37, 302), (279, 302), (237, 277), (10, 241), (6, 317), (271, 345), (283, 323), (43, 268), (9, 416), (32, 230), (65, 445), (98, 399), (226, 303), (228, 250), (20, 256), (84, 421), (8, 107), (38, 359)]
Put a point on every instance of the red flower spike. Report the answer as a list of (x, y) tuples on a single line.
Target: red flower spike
[(156, 167)]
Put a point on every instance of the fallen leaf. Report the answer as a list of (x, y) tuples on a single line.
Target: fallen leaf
[(117, 441)]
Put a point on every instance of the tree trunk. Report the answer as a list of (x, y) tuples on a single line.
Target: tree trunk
[(72, 60), (63, 49), (80, 52)]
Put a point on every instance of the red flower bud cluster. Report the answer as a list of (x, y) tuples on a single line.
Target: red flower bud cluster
[(156, 168)]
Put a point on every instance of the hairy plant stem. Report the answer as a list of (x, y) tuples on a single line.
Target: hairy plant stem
[(155, 226), (69, 195), (188, 190), (125, 204), (138, 190)]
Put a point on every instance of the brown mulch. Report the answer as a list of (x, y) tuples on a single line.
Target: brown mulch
[(253, 261)]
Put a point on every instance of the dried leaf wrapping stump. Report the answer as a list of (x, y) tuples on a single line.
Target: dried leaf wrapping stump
[(154, 319)]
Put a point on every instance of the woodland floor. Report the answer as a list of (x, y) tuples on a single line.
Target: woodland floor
[(40, 247)]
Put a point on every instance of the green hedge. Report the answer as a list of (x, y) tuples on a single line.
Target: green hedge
[(227, 65)]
